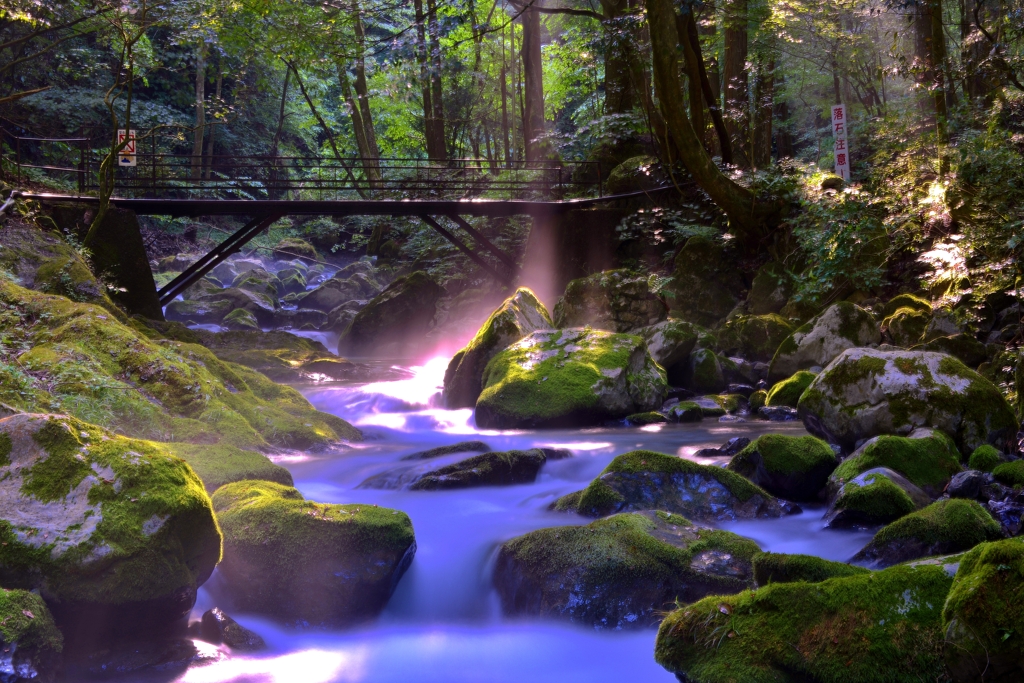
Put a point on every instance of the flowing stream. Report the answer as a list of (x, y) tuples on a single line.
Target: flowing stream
[(444, 622)]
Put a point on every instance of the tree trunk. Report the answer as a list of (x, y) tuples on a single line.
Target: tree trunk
[(736, 87), (197, 139), (537, 148), (213, 128), (764, 106), (362, 92), (687, 28), (436, 97), (276, 175), (429, 123), (504, 115), (747, 216), (938, 70), (619, 93)]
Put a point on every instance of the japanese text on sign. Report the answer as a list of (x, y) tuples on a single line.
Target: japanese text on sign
[(126, 157), (842, 146)]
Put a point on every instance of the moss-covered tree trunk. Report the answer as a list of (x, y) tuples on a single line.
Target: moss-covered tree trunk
[(747, 215)]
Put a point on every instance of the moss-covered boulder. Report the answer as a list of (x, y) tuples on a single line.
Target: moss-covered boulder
[(1010, 473), (670, 343), (30, 644), (261, 305), (686, 411), (754, 337), (327, 297), (116, 533), (770, 290), (240, 319), (964, 347), (645, 480), (570, 377), (985, 459), (865, 392), (926, 457), (149, 382), (281, 356), (703, 372), (906, 325), (841, 326), (309, 563), (706, 282), (394, 321), (620, 572), (984, 614), (295, 248), (788, 391), (870, 628), (519, 315), (260, 281), (635, 174), (947, 526), (781, 568), (201, 312), (875, 497), (790, 467), (488, 469), (220, 464), (615, 300)]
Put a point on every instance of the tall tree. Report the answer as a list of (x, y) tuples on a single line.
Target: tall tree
[(737, 104)]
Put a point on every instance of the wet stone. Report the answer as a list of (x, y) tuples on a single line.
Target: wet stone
[(218, 627)]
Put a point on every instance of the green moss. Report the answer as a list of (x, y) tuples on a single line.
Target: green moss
[(928, 462), (788, 391), (757, 400), (648, 418), (553, 378), (877, 502), (782, 454), (956, 523), (294, 247), (983, 616), (53, 478), (781, 568), (984, 458), (28, 629), (755, 337), (220, 464), (686, 411), (841, 376), (1010, 473), (907, 325), (240, 319), (488, 469), (871, 628), (705, 371), (5, 449)]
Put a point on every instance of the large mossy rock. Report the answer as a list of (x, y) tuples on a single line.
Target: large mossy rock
[(865, 393), (615, 300), (202, 312), (310, 563), (260, 281), (947, 526), (115, 533), (645, 480), (44, 261), (790, 467), (754, 337), (519, 315), (984, 614), (670, 343), (489, 469), (907, 325), (787, 392), (781, 568), (220, 464), (926, 457), (819, 341), (147, 382), (871, 628), (295, 248), (620, 572), (279, 355), (30, 644), (570, 377), (635, 174), (877, 496), (770, 290), (703, 373), (706, 282), (394, 321), (262, 306)]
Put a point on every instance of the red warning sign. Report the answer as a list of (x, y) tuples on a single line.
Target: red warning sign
[(126, 157)]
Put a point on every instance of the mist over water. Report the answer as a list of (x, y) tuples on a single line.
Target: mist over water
[(444, 621)]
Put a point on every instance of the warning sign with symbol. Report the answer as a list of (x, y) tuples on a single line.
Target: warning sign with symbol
[(126, 157)]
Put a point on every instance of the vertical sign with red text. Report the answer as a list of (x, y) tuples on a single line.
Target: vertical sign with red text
[(127, 155), (842, 146)]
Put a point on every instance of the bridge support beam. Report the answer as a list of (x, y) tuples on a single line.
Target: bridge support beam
[(506, 278)]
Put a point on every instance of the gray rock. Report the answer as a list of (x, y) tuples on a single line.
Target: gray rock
[(968, 484), (840, 327), (615, 300), (218, 627), (487, 469)]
